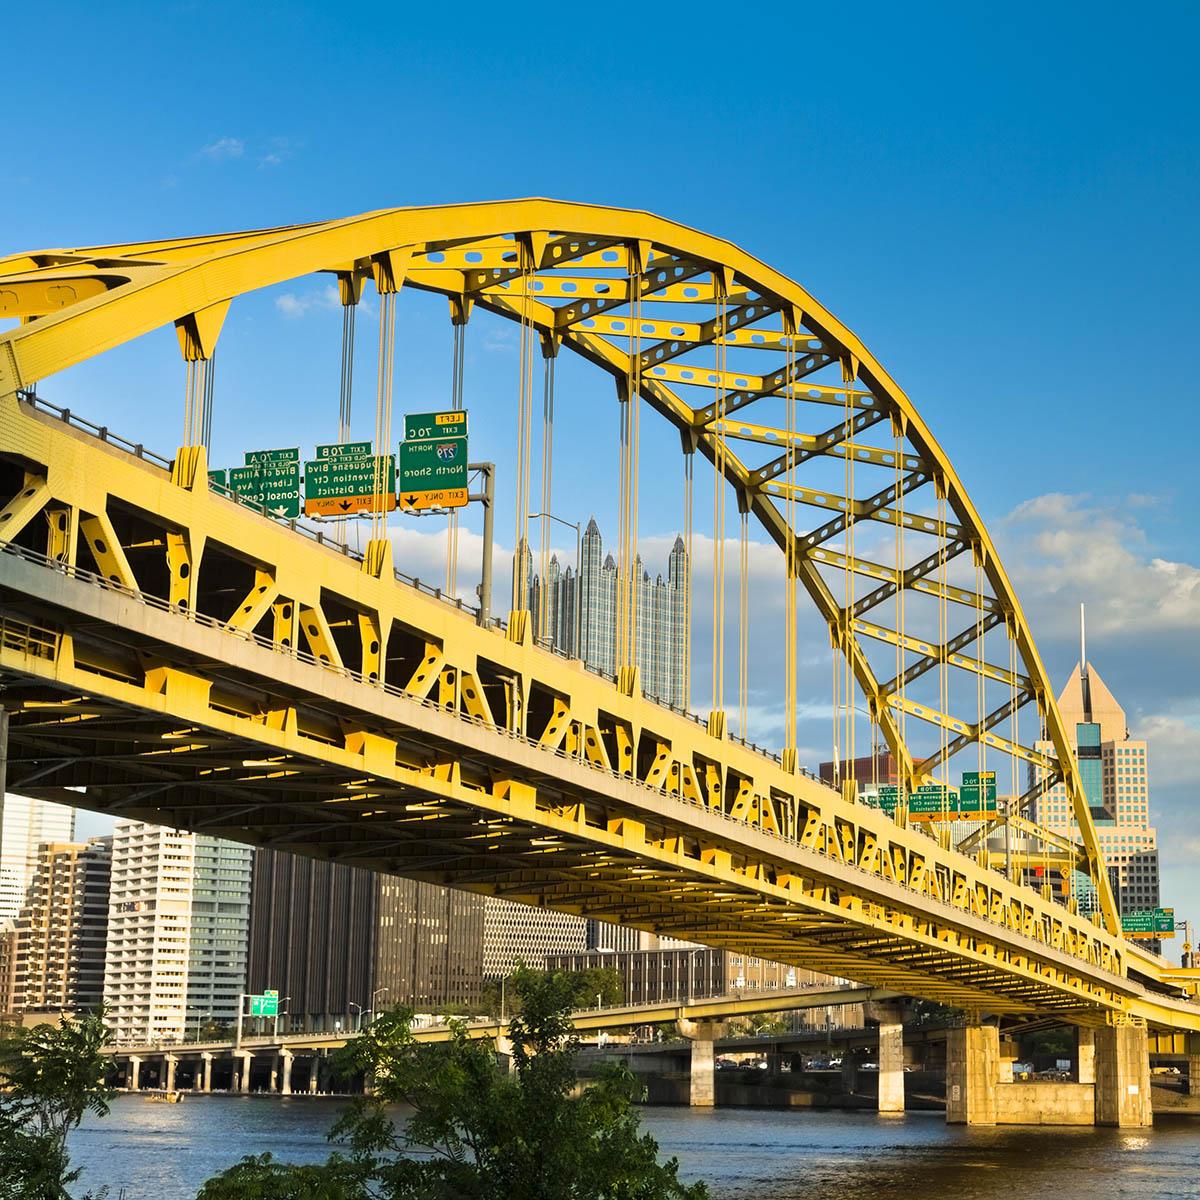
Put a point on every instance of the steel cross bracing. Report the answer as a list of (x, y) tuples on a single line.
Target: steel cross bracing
[(188, 660)]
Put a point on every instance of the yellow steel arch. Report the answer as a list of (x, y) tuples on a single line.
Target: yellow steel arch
[(75, 304)]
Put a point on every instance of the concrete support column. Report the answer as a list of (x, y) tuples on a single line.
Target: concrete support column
[(891, 1055), (972, 1074), (702, 1089), (243, 1076), (206, 1062), (171, 1062), (849, 1072), (891, 1068), (135, 1072), (1193, 1063), (702, 1080), (1085, 1055), (1123, 1077), (313, 1069), (285, 1086)]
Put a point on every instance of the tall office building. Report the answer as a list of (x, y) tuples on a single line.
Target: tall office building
[(1113, 769), (58, 949), (592, 596), (24, 825), (338, 941), (178, 921)]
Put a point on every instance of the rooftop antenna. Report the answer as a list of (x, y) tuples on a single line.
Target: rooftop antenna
[(1084, 682), (1082, 641)]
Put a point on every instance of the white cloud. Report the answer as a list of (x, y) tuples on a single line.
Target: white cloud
[(294, 305), (1068, 549), (223, 149), (1143, 618), (279, 151)]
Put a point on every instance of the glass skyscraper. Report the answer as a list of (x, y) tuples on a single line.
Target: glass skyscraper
[(661, 614)]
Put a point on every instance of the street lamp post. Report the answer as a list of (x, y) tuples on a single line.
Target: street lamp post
[(278, 1014), (198, 1009), (375, 996), (351, 1004), (545, 516)]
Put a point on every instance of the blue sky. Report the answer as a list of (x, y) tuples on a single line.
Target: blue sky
[(1002, 203)]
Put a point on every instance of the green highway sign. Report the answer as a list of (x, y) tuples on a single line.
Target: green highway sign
[(266, 1005), (435, 425), (274, 484), (344, 450), (433, 471), (290, 455), (1154, 922), (931, 800), (337, 486), (969, 795), (220, 477)]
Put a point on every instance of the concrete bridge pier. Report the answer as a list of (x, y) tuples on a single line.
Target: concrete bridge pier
[(972, 1074), (1123, 1076), (206, 1061), (702, 1089), (314, 1067), (135, 1073), (849, 1072), (891, 1055), (171, 1062), (1193, 1062), (1085, 1055), (285, 1083), (241, 1078)]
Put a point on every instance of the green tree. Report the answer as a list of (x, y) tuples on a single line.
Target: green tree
[(52, 1076), (477, 1132), (584, 986)]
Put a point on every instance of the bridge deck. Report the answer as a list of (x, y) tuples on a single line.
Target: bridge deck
[(150, 651)]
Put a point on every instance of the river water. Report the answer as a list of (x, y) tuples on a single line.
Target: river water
[(165, 1152)]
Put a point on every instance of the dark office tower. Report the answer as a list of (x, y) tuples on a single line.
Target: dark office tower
[(338, 941), (312, 937), (430, 947)]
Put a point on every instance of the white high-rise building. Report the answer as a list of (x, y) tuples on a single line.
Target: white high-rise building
[(26, 824), (178, 926)]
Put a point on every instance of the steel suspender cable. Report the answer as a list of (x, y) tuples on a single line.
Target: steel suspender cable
[(1014, 733), (346, 386), (719, 458), (547, 488), (943, 663), (627, 575), (899, 687), (456, 403), (980, 696), (744, 626), (209, 375), (689, 479), (383, 412), (791, 333), (521, 581), (346, 389), (848, 573)]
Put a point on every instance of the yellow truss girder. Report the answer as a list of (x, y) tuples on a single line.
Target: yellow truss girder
[(176, 279)]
